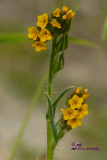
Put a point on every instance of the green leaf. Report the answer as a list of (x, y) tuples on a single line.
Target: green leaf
[(65, 43), (61, 43), (51, 115), (13, 37), (104, 31), (60, 96), (84, 42), (60, 134), (60, 129), (59, 62)]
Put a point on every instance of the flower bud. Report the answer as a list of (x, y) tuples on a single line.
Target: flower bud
[(78, 90)]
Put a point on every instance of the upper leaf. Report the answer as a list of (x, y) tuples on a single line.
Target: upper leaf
[(60, 96)]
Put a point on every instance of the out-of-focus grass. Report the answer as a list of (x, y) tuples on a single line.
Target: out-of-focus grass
[(19, 70), (22, 37), (83, 42), (28, 153), (28, 115), (13, 37), (23, 83), (104, 31)]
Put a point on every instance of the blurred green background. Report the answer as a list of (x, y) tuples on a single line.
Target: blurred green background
[(21, 69)]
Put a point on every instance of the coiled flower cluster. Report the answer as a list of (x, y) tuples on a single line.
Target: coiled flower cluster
[(49, 26), (76, 108)]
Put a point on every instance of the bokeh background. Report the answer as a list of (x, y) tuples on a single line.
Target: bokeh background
[(21, 69)]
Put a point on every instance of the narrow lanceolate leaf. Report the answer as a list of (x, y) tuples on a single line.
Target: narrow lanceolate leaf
[(104, 31), (51, 115), (84, 42), (13, 37), (59, 62), (61, 46), (60, 96), (61, 42)]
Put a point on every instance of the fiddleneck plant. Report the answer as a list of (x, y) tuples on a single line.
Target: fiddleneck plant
[(56, 27)]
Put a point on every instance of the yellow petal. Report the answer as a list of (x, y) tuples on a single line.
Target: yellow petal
[(78, 90), (45, 35), (64, 17), (85, 91), (64, 9), (55, 23), (85, 96), (42, 20), (56, 12)]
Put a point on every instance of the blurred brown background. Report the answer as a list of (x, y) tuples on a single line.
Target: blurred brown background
[(21, 69)]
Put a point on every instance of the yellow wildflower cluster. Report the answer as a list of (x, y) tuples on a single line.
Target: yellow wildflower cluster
[(40, 34), (47, 26), (67, 14), (77, 108)]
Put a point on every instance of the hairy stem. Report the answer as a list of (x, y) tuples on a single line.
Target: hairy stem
[(50, 143), (51, 67)]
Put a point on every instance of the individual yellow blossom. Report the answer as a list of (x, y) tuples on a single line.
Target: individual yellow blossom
[(78, 90), (75, 102), (33, 33), (44, 35), (64, 9), (85, 91), (42, 20), (85, 96), (68, 113), (55, 23), (83, 110), (74, 122), (56, 12), (69, 12), (39, 46), (64, 17), (72, 15)]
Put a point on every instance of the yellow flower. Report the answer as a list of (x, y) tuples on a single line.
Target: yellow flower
[(33, 33), (70, 14), (85, 91), (44, 35), (85, 96), (42, 20), (75, 102), (56, 12), (64, 17), (83, 110), (64, 9), (74, 122), (78, 90), (55, 23), (39, 46), (68, 113)]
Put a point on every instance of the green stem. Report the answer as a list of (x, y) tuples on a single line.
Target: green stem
[(50, 150), (51, 67), (27, 117), (50, 144)]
